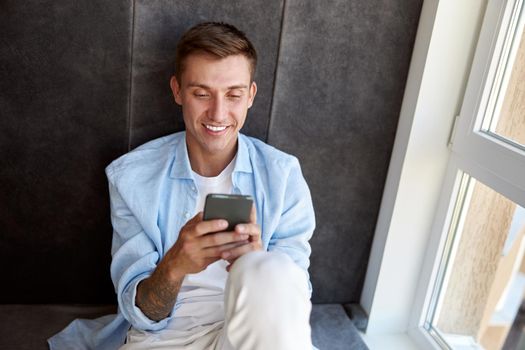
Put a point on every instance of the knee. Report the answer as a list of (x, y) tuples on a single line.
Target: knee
[(263, 285), (268, 270)]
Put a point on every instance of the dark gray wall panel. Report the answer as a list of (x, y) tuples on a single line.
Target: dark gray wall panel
[(339, 86), (67, 80), (64, 73), (159, 25)]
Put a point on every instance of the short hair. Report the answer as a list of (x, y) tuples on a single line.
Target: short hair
[(217, 39)]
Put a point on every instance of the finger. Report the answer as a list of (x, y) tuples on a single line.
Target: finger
[(221, 238), (230, 264), (210, 226), (241, 250), (218, 251), (250, 229), (253, 215)]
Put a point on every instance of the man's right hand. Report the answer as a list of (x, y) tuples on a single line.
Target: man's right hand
[(200, 243)]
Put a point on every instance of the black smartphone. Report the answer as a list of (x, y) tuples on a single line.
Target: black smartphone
[(233, 208)]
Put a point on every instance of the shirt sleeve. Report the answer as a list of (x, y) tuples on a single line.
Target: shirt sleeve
[(134, 257), (297, 221)]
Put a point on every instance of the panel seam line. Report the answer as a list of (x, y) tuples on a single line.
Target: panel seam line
[(275, 74), (130, 89)]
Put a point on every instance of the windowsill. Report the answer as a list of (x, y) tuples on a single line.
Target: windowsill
[(396, 341)]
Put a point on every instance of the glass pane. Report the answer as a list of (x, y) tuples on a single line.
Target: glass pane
[(481, 283), (505, 113)]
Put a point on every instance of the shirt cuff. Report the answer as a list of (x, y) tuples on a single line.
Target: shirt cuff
[(134, 314)]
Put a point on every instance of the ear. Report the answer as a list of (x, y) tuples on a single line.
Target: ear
[(253, 92), (175, 88)]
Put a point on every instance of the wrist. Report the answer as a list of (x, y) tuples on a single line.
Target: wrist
[(172, 275)]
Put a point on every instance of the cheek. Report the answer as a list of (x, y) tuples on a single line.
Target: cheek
[(240, 109), (192, 110)]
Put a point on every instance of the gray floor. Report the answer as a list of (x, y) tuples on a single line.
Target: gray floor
[(333, 330), (26, 327)]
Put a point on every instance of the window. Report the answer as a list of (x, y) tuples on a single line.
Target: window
[(449, 76), (504, 113), (481, 282), (476, 272)]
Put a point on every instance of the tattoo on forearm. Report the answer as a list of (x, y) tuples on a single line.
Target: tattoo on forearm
[(156, 296)]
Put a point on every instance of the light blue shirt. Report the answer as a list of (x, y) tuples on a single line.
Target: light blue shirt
[(153, 195)]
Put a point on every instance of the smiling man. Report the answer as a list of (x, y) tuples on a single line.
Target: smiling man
[(186, 283)]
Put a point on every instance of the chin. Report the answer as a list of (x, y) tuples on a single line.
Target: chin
[(220, 147)]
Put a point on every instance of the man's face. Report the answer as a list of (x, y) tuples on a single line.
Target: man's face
[(215, 95)]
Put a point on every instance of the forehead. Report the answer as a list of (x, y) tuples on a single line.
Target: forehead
[(216, 72)]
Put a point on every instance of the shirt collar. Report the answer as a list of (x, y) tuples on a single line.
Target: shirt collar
[(181, 168), (243, 163)]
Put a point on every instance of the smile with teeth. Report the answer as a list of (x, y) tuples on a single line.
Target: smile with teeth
[(215, 128)]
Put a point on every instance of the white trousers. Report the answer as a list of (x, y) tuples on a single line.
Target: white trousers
[(267, 306)]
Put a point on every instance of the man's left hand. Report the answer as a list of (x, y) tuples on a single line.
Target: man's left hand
[(254, 240)]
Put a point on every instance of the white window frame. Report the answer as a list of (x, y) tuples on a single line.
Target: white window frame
[(423, 175), (496, 155)]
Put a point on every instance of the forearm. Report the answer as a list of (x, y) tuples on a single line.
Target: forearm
[(157, 294)]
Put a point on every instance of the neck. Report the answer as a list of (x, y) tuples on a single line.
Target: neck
[(210, 165)]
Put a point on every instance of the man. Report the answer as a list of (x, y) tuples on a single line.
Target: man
[(186, 283)]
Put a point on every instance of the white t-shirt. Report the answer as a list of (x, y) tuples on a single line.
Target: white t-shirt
[(200, 299)]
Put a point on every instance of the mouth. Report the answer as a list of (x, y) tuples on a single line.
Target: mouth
[(214, 129)]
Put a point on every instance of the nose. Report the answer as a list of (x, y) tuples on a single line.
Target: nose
[(217, 110)]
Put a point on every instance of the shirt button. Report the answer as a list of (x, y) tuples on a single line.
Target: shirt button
[(193, 189), (186, 215)]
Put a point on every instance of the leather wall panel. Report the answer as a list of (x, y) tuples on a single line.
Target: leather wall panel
[(339, 86), (64, 72), (159, 25)]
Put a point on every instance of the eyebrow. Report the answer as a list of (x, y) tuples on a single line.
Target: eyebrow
[(204, 86)]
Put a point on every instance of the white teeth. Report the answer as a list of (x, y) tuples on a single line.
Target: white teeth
[(215, 128)]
